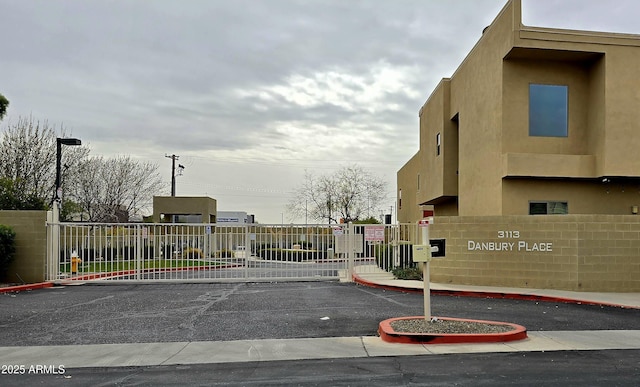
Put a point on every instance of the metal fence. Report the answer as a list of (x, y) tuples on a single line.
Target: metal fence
[(216, 252)]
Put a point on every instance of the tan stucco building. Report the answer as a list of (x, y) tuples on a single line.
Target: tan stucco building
[(534, 121), (184, 209)]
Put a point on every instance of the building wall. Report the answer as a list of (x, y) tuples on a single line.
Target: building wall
[(518, 74), (408, 207), (432, 165), (476, 101), (31, 245), (183, 205), (586, 252), (583, 197), (232, 217), (622, 116), (490, 165)]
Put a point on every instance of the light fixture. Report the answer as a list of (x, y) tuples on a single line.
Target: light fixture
[(59, 143)]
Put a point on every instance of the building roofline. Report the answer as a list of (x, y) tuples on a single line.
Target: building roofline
[(523, 33)]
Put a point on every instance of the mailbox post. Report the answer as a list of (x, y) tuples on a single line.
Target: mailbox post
[(422, 253)]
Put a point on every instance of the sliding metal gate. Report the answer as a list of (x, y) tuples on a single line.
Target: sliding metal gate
[(213, 252)]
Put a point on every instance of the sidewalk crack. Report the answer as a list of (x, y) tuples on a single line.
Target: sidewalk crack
[(164, 362), (364, 347)]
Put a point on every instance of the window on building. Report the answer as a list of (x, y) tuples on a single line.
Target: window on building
[(418, 182), (399, 199), (548, 208), (548, 110), (438, 144)]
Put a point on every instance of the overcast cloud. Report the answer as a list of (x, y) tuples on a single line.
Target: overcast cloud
[(250, 93)]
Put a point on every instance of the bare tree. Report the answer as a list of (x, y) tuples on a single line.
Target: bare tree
[(349, 194), (28, 157), (111, 190), (104, 189)]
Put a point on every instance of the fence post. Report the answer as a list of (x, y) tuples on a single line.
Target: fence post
[(350, 251), (247, 251), (397, 246), (138, 251), (53, 244)]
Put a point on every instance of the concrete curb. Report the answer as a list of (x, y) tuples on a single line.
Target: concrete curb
[(125, 273), (21, 288), (484, 294), (388, 334)]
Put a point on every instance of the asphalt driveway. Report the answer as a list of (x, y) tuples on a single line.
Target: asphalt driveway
[(94, 314)]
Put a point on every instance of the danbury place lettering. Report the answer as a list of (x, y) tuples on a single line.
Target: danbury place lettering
[(510, 246), (490, 246), (542, 246)]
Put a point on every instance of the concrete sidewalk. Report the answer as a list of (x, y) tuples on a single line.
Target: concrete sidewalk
[(374, 276), (209, 352)]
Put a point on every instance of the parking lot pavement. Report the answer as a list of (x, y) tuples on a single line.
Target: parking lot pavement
[(116, 314), (316, 333)]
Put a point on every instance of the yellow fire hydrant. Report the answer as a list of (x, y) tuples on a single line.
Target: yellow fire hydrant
[(75, 260)]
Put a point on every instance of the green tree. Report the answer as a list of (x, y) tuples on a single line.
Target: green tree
[(11, 198), (7, 248), (4, 104), (68, 208), (369, 220)]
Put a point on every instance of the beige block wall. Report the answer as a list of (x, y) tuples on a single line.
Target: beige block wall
[(587, 252), (31, 245)]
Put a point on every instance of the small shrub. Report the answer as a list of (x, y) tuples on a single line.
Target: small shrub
[(7, 248), (192, 253), (289, 255), (407, 273), (304, 245), (224, 254)]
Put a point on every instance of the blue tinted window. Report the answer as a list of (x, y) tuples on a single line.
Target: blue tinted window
[(548, 105)]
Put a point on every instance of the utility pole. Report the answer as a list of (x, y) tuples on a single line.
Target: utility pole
[(173, 173)]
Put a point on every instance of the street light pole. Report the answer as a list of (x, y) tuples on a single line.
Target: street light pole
[(59, 143), (55, 210)]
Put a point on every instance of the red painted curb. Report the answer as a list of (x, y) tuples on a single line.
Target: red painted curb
[(388, 334), (483, 294), (21, 288), (124, 273)]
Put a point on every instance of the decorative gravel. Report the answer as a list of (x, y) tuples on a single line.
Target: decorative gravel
[(438, 326)]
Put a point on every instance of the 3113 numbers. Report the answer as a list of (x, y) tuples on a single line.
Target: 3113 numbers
[(509, 234)]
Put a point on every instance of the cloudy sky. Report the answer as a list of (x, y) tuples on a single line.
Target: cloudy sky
[(251, 93)]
